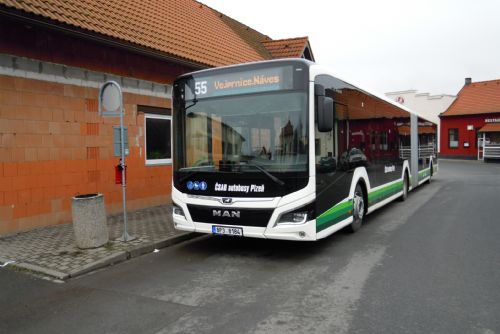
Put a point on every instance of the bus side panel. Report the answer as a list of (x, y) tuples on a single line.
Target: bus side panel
[(390, 171), (370, 134), (332, 188)]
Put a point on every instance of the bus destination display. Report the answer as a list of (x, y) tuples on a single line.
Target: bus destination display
[(247, 82)]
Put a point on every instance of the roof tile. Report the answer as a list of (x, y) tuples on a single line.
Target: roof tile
[(286, 48), (476, 98), (490, 127), (208, 37)]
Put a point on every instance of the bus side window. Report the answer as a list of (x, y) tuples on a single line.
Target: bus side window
[(326, 142)]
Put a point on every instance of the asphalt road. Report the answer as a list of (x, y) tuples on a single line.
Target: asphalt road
[(427, 265)]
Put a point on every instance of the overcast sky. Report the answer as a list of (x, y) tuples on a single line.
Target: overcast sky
[(387, 45)]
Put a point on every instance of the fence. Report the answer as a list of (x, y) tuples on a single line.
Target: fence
[(487, 150), (423, 151)]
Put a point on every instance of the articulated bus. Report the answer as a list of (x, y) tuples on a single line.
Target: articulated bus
[(285, 149)]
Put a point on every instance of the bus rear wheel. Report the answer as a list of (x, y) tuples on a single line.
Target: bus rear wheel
[(430, 174), (358, 209), (404, 196)]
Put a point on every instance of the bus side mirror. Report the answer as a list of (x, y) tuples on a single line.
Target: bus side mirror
[(324, 109), (325, 114), (319, 90)]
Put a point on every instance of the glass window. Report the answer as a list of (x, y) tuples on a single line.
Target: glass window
[(453, 138), (268, 130), (158, 139), (478, 136), (383, 141), (374, 140)]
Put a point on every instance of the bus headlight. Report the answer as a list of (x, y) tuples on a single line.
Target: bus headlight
[(177, 210), (297, 216), (293, 218)]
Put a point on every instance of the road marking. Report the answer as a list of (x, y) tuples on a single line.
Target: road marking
[(328, 307)]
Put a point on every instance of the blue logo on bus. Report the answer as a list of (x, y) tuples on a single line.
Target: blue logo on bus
[(197, 185)]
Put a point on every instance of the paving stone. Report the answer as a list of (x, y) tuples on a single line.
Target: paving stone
[(54, 247)]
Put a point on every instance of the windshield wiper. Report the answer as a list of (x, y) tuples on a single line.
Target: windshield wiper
[(263, 170)]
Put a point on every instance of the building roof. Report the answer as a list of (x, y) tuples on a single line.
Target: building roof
[(476, 98), (405, 130), (491, 127), (287, 48), (184, 29)]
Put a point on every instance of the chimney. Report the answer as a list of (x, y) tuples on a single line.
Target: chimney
[(468, 81)]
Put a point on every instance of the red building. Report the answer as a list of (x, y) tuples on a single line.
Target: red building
[(474, 115), (54, 56)]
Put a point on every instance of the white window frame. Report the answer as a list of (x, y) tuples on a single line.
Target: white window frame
[(156, 162)]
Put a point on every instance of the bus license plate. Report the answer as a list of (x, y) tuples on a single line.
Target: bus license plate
[(224, 230)]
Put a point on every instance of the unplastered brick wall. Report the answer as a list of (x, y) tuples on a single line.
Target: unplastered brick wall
[(54, 145)]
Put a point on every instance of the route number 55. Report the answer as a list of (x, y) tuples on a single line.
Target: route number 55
[(200, 88)]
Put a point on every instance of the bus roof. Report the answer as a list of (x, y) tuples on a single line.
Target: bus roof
[(315, 69)]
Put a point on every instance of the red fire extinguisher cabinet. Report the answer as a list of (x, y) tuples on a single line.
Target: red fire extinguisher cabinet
[(118, 174)]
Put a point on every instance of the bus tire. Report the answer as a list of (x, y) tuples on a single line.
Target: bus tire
[(358, 209), (406, 185)]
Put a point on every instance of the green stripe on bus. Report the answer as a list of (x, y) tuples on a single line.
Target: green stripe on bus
[(424, 173), (385, 192), (334, 215), (343, 210)]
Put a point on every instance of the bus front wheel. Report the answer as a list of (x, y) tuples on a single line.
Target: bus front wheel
[(358, 209)]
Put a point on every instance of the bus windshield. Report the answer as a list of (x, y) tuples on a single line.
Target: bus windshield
[(263, 132)]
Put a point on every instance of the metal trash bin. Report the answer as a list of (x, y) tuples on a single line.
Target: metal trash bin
[(89, 220)]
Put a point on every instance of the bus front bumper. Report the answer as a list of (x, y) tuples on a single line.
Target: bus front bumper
[(300, 232)]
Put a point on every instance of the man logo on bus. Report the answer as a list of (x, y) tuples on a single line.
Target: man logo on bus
[(226, 213)]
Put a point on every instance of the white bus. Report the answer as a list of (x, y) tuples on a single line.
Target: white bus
[(286, 150)]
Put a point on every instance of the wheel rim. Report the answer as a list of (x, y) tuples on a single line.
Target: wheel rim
[(358, 206)]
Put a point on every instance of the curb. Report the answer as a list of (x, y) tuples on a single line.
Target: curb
[(177, 239), (150, 247), (41, 270), (109, 260)]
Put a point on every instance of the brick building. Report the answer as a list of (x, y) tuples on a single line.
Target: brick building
[(475, 114), (54, 56)]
